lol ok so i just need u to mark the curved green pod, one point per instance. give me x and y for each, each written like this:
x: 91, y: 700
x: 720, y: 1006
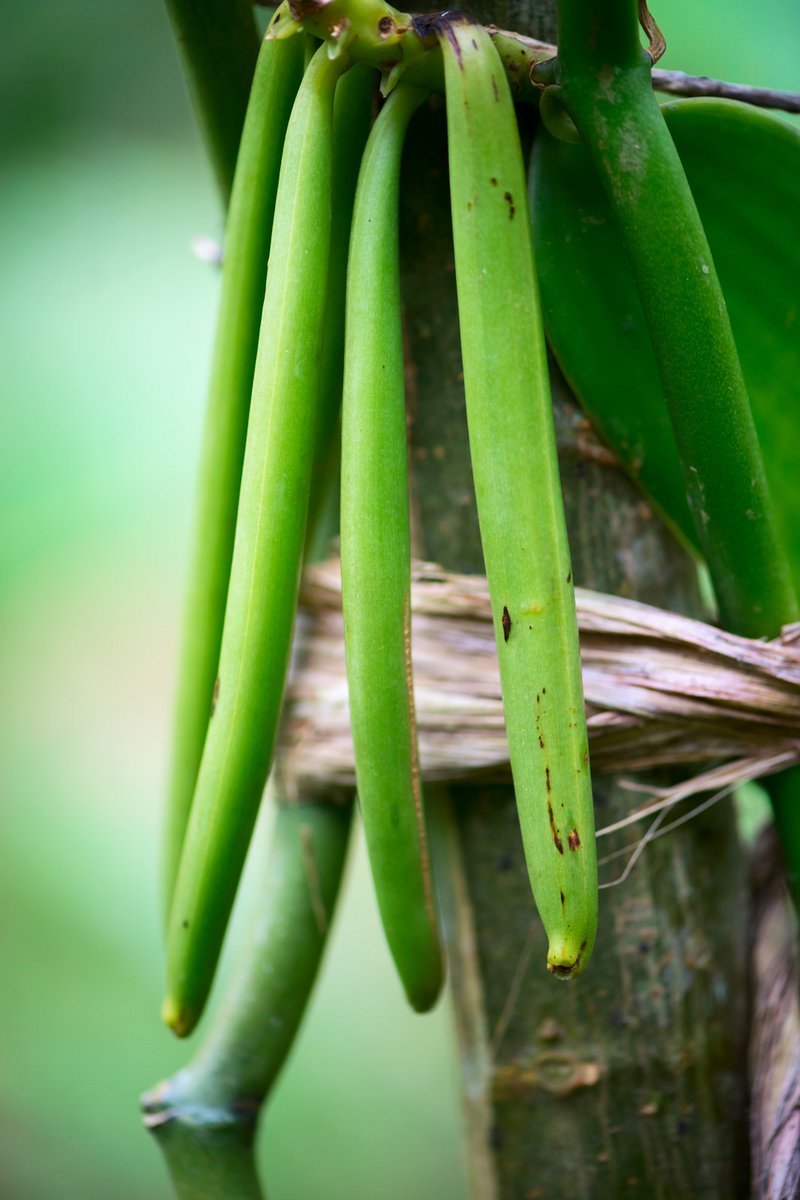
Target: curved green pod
x: 512, y: 444
x: 376, y: 566
x: 262, y: 594
x: 247, y: 235
x: 743, y: 168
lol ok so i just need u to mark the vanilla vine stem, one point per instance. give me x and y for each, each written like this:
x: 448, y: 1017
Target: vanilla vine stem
x: 601, y: 81
x: 394, y: 42
x: 205, y: 1117
x: 218, y: 44
x: 673, y: 83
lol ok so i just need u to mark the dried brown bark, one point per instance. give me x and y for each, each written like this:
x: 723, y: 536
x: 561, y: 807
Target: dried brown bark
x: 775, y: 1041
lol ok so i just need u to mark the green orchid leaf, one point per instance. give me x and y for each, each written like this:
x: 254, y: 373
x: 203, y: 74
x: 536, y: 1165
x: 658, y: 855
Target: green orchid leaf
x: 744, y: 170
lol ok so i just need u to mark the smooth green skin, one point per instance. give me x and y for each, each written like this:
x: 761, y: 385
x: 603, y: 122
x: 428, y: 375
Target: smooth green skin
x: 743, y: 167
x: 218, y: 45
x: 605, y: 88
x: 351, y: 125
x: 247, y: 237
x: 518, y: 492
x: 611, y: 101
x: 205, y: 1116
x: 262, y: 595
x: 376, y: 566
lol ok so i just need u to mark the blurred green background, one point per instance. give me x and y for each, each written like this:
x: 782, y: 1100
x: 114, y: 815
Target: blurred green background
x: 105, y: 322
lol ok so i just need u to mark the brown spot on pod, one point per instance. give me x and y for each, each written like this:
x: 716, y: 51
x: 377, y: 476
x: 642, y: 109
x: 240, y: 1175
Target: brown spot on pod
x: 559, y: 845
x: 506, y: 622
x: 573, y: 840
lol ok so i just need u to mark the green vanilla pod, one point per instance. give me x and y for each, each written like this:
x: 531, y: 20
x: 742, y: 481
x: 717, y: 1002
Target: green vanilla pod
x: 520, y: 509
x: 352, y: 116
x: 247, y: 236
x: 267, y: 556
x: 376, y: 566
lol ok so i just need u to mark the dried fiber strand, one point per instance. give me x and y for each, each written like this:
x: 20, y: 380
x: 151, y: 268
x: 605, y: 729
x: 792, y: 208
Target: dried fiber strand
x: 661, y: 690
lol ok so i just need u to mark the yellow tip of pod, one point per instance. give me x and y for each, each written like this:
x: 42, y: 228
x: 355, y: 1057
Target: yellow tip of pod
x: 177, y: 1017
x: 564, y: 962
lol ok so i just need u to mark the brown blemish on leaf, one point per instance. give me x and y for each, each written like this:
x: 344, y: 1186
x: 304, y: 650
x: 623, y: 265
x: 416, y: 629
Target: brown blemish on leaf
x: 563, y: 898
x: 506, y: 622
x: 569, y: 576
x: 573, y: 840
x: 493, y: 181
x: 509, y: 199
x: 215, y: 696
